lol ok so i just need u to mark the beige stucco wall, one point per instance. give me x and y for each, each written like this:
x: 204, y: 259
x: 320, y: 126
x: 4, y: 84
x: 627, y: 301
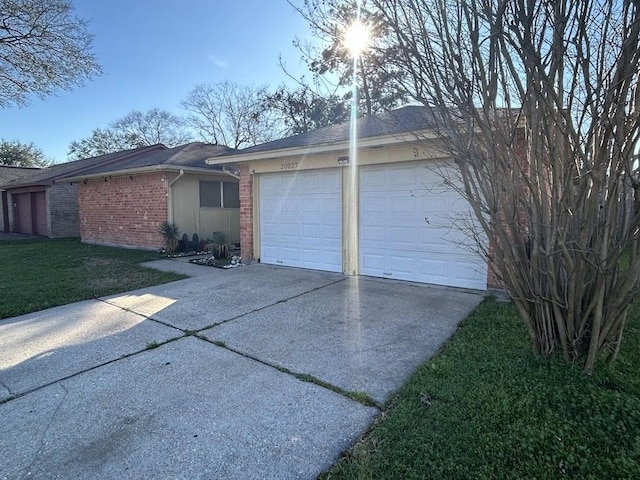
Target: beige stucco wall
x: 185, y: 210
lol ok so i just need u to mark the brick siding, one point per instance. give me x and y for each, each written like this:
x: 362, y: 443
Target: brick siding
x: 62, y: 209
x: 246, y: 213
x: 124, y: 211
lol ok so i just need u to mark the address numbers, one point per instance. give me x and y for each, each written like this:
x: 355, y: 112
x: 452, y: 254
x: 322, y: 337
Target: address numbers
x: 289, y: 166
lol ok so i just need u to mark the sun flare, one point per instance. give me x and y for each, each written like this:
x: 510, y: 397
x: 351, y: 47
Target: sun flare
x: 356, y: 38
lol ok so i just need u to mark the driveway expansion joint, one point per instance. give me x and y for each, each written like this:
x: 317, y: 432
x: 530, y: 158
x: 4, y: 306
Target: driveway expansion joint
x: 264, y: 307
x: 17, y: 395
x: 125, y: 309
x: 359, y: 397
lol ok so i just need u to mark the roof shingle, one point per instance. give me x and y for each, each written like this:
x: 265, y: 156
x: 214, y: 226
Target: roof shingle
x: 411, y: 118
x: 189, y: 155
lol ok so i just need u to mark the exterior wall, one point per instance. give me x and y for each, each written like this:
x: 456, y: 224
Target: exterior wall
x: 246, y: 213
x: 186, y: 212
x: 249, y: 190
x: 123, y: 211
x: 63, y: 211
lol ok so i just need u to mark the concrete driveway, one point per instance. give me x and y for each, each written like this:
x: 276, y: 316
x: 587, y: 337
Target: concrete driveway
x: 244, y: 373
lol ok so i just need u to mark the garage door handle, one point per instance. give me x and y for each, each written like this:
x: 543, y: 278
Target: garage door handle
x: 388, y: 274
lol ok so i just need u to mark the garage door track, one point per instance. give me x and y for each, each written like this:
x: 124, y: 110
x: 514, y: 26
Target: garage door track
x: 255, y: 372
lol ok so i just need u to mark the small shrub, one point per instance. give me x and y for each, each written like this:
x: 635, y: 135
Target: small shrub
x: 169, y: 232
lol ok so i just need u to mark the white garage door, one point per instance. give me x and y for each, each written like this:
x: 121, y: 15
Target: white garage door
x: 301, y: 219
x: 407, y: 229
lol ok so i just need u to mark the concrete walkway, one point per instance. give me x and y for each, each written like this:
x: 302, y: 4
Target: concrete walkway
x: 217, y: 376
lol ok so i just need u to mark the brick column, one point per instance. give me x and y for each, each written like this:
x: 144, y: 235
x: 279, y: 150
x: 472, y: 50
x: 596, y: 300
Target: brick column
x: 246, y: 213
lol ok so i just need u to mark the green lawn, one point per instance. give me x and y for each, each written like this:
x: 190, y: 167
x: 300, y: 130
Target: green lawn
x: 42, y: 273
x: 487, y: 407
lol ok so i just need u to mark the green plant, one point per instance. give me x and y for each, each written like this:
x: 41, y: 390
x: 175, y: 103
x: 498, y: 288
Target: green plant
x: 219, y: 245
x: 169, y: 232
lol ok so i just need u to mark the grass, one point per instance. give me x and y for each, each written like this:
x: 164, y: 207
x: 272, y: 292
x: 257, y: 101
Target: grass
x: 488, y: 407
x: 42, y: 273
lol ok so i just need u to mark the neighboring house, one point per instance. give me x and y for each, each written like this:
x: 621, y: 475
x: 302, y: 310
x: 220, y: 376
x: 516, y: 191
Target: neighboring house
x: 386, y: 213
x: 37, y: 205
x: 9, y: 173
x: 122, y: 201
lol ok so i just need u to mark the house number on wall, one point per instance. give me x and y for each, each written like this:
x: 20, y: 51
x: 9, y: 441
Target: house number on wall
x: 288, y: 166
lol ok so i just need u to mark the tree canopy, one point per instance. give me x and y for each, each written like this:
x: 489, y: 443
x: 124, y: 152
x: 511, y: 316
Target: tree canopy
x: 18, y: 154
x: 44, y: 47
x: 301, y: 109
x: 329, y: 60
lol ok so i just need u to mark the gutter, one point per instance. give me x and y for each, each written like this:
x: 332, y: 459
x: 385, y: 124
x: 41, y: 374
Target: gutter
x: 163, y: 167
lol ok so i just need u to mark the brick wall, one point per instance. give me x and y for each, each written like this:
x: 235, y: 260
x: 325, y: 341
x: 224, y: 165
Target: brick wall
x: 124, y: 211
x: 246, y: 213
x: 62, y: 209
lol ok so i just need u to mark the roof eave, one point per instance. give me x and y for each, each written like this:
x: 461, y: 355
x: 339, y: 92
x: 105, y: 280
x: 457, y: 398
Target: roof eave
x: 379, y: 141
x: 142, y: 170
x: 41, y: 183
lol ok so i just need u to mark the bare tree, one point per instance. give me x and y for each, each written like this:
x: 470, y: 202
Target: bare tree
x: 230, y: 114
x: 538, y: 102
x: 43, y: 48
x: 136, y: 129
x: 151, y: 127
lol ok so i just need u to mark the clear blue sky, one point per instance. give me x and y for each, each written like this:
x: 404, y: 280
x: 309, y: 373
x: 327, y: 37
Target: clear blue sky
x: 152, y: 53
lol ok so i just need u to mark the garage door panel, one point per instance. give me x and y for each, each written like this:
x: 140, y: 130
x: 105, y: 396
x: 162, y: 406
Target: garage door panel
x: 408, y: 229
x: 311, y: 205
x: 311, y: 232
x: 271, y: 183
x: 332, y: 233
x: 402, y: 265
x: 288, y: 231
x: 332, y: 205
x: 308, y: 216
x: 401, y: 178
x: 289, y: 253
x: 372, y: 264
x: 402, y: 204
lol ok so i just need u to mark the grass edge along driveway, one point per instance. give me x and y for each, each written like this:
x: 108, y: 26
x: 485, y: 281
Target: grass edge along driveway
x: 43, y: 273
x: 486, y: 406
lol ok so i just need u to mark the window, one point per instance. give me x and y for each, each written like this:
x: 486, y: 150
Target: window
x: 219, y: 194
x: 230, y: 195
x: 210, y: 194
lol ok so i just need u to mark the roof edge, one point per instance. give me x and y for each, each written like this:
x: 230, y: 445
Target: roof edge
x: 142, y: 170
x: 379, y: 141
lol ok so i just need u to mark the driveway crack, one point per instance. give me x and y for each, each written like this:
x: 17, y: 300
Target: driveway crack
x: 26, y: 473
x: 7, y: 388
